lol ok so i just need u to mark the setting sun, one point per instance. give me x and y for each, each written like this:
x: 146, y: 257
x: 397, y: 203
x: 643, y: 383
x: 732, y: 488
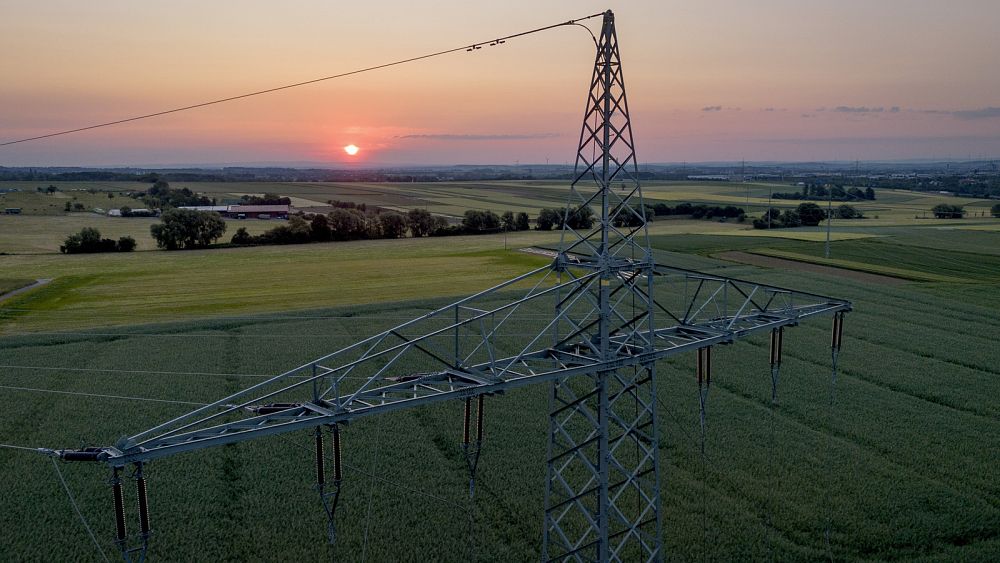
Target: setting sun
x: 351, y: 149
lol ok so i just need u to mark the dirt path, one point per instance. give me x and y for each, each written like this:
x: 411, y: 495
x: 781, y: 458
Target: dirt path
x: 38, y: 283
x: 782, y: 263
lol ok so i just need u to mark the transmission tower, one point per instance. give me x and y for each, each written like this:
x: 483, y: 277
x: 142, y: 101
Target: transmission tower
x: 591, y: 325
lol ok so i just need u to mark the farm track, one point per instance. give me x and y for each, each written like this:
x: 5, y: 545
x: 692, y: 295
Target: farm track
x: 20, y: 290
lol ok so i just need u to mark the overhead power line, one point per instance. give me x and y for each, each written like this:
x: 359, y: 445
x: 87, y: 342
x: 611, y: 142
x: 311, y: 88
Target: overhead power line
x: 470, y: 47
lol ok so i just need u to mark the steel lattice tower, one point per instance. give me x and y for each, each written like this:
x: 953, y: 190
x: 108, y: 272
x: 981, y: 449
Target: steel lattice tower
x: 591, y: 325
x: 602, y: 489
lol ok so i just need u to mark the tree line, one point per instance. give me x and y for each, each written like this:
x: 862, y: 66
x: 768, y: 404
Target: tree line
x: 833, y: 192
x: 89, y: 241
x: 805, y: 215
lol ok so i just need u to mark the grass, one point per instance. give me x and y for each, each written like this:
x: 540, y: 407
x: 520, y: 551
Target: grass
x: 903, y: 465
x: 32, y: 234
x: 111, y: 289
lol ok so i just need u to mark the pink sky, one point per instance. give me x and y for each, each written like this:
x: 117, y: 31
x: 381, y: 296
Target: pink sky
x: 769, y: 80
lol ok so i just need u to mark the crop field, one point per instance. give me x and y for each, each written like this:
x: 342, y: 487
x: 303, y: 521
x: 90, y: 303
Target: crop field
x: 902, y: 466
x: 33, y: 234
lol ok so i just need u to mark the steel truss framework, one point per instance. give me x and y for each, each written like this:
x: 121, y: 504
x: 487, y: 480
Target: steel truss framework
x: 592, y: 325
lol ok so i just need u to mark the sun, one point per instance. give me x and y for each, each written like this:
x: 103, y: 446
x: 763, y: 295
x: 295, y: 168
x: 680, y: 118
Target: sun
x: 351, y: 150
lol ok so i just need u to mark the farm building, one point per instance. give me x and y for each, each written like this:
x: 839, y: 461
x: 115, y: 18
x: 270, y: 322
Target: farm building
x: 141, y: 212
x: 258, y: 211
x: 220, y: 209
x: 245, y: 211
x: 12, y: 211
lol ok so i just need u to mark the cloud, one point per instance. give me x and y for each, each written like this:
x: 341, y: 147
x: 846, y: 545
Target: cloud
x: 479, y: 137
x: 983, y: 113
x: 712, y: 108
x: 858, y: 109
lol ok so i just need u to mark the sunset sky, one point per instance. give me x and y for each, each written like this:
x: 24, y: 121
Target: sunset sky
x: 707, y: 81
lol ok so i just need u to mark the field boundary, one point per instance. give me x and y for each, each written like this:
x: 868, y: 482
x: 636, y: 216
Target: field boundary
x: 885, y: 271
x: 757, y: 258
x: 38, y: 283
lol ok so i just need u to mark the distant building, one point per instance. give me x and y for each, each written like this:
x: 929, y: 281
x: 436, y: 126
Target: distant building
x: 12, y: 211
x: 141, y: 212
x: 258, y: 211
x: 220, y: 209
x: 245, y: 211
x: 709, y: 177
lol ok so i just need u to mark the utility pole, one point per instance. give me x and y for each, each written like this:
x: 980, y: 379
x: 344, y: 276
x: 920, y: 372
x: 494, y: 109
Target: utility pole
x: 769, y: 192
x: 829, y: 218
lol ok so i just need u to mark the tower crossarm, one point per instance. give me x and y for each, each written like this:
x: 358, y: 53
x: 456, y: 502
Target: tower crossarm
x: 395, y: 385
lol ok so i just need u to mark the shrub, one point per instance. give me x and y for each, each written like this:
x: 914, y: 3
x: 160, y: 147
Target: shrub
x: 125, y: 244
x: 89, y: 240
x: 242, y: 237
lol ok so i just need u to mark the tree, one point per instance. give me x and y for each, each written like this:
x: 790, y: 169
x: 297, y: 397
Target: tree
x: 420, y: 222
x: 186, y: 228
x: 810, y: 214
x: 126, y: 211
x: 946, y: 211
x: 320, y: 228
x: 581, y: 218
x: 547, y: 218
x: 870, y: 194
x: 507, y: 221
x: 522, y: 222
x: 125, y: 244
x: 848, y: 212
x: 393, y: 225
x: 242, y: 237
x: 790, y: 219
x: 347, y: 224
x: 476, y: 221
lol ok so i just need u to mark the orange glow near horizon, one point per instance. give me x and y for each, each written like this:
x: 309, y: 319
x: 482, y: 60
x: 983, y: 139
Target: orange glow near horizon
x: 770, y: 80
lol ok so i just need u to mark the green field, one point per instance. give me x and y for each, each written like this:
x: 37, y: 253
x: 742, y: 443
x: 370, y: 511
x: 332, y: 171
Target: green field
x: 32, y: 234
x: 903, y: 466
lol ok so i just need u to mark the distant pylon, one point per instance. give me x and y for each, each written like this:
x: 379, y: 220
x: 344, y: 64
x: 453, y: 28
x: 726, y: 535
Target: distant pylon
x: 602, y: 498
